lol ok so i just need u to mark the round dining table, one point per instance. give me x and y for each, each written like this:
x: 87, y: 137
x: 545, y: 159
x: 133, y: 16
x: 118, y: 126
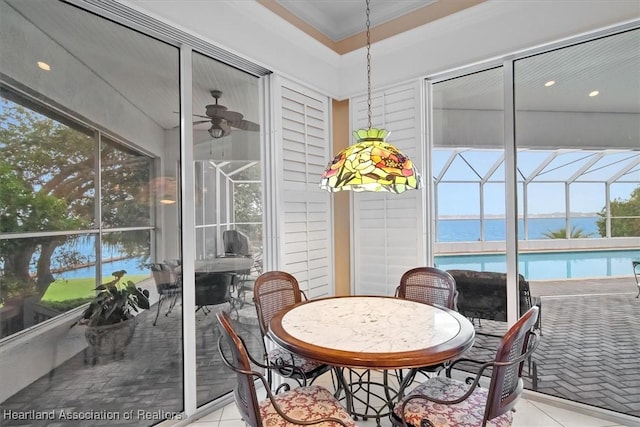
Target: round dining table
x: 372, y: 333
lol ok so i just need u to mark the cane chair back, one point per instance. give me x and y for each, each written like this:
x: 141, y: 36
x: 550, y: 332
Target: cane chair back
x: 447, y: 400
x: 272, y: 292
x: 245, y: 389
x: 428, y: 285
x: 311, y: 405
x: 506, y: 380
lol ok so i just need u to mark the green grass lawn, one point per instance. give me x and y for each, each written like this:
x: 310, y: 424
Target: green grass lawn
x: 69, y: 289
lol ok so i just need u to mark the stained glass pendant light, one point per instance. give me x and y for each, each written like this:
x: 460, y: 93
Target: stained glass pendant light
x: 371, y: 164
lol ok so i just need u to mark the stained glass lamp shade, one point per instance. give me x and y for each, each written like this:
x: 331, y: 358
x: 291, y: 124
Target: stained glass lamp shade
x: 371, y: 164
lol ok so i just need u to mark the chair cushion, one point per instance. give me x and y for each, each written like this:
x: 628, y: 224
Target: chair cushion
x: 304, y: 404
x: 280, y: 355
x: 468, y: 413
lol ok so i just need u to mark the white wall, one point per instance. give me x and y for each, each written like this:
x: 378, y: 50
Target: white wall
x: 479, y: 33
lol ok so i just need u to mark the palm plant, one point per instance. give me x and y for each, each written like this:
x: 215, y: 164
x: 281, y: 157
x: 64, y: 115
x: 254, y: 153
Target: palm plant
x: 561, y: 233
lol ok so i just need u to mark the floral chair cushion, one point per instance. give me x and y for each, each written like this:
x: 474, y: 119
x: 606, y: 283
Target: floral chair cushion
x: 304, y: 404
x: 280, y: 355
x: 468, y: 413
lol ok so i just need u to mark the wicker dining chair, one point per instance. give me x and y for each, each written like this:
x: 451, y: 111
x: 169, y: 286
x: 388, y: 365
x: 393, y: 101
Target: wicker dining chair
x: 305, y: 405
x: 443, y: 401
x: 431, y: 286
x: 272, y: 292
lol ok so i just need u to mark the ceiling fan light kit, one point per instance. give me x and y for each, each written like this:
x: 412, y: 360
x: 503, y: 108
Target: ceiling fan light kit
x: 219, y: 128
x: 371, y: 164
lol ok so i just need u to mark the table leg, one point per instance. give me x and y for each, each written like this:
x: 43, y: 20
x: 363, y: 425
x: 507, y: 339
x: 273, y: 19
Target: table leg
x: 372, y: 391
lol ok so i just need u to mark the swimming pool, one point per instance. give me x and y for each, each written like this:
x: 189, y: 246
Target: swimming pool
x: 549, y: 265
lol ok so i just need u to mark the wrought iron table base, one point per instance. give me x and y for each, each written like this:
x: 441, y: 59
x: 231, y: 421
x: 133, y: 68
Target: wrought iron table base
x: 377, y: 398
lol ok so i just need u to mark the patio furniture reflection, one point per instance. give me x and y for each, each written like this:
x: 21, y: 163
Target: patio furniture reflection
x: 212, y: 289
x: 168, y: 286
x: 636, y: 271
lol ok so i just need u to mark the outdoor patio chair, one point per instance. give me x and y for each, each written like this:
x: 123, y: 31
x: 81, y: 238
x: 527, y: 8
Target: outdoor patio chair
x: 636, y: 271
x: 213, y: 289
x: 305, y: 405
x: 272, y: 292
x: 431, y: 286
x: 449, y: 401
x: 245, y: 281
x: 235, y: 243
x: 168, y: 286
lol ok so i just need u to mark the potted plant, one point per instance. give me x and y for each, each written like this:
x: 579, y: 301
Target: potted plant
x: 109, y: 317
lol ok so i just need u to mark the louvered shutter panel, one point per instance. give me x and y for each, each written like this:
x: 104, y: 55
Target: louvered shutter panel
x: 305, y: 223
x: 388, y: 228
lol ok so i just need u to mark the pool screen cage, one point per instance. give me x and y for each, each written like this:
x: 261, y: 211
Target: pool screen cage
x: 567, y: 183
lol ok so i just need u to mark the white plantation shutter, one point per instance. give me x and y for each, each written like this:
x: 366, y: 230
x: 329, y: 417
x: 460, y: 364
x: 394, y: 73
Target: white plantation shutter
x: 305, y: 212
x: 388, y: 228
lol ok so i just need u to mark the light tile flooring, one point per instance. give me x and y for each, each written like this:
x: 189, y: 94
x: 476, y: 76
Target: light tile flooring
x: 528, y: 413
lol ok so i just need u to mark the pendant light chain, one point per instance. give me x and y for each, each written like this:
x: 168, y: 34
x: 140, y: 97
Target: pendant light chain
x: 368, y: 68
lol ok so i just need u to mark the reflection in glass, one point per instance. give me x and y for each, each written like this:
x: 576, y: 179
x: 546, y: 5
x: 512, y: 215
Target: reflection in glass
x: 54, y: 251
x: 228, y: 195
x: 468, y: 158
x: 126, y: 177
x: 579, y: 158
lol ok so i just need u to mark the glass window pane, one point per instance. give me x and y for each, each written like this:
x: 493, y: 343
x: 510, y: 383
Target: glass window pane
x: 126, y: 200
x: 47, y: 170
x: 103, y: 111
x: 228, y: 197
x: 577, y: 135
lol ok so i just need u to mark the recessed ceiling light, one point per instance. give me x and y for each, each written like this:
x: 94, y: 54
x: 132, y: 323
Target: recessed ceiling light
x: 44, y: 66
x: 593, y: 93
x: 550, y: 83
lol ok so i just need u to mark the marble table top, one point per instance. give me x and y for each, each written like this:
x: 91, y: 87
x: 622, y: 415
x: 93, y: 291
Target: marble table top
x: 367, y: 330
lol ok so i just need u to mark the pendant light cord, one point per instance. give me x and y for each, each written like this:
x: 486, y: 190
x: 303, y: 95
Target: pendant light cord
x: 368, y: 67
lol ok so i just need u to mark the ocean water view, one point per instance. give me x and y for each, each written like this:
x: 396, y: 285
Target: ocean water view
x: 131, y: 265
x: 468, y: 230
x: 535, y: 266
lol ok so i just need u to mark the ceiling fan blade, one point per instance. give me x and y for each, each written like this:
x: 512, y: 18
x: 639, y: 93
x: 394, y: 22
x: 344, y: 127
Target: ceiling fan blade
x: 197, y: 122
x: 231, y: 116
x: 246, y: 125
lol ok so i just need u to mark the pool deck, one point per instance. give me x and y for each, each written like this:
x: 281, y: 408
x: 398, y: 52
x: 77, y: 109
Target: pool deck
x: 589, y: 344
x: 586, y: 286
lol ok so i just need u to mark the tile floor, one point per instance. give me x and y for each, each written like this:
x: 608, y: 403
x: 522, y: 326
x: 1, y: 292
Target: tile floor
x: 529, y: 413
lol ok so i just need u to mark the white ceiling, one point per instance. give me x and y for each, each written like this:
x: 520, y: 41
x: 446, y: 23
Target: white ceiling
x: 124, y: 59
x: 339, y: 19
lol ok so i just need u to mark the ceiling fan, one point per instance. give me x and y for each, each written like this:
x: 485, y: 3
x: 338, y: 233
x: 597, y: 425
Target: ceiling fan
x: 223, y: 120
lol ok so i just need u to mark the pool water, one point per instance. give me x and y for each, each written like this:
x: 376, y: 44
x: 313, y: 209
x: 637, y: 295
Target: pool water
x: 549, y: 265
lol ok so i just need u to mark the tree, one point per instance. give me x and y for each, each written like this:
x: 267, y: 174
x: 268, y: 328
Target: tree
x: 561, y: 233
x: 247, y: 203
x: 47, y: 184
x: 625, y: 217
